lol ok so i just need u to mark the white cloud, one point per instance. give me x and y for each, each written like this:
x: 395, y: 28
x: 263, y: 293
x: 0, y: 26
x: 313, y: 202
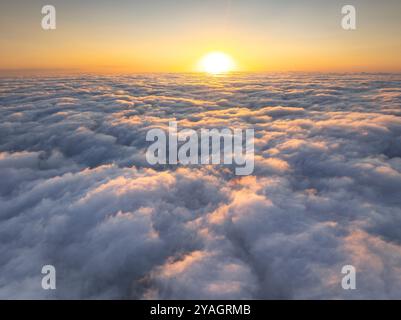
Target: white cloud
x: 76, y: 191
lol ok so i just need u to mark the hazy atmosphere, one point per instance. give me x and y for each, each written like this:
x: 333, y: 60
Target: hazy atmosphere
x: 171, y: 36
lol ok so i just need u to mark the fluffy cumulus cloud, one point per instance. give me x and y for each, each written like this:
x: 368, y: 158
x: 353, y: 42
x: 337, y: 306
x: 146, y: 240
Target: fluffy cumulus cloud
x: 77, y: 192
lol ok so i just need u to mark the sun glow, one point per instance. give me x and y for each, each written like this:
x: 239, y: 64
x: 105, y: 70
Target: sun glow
x: 216, y: 63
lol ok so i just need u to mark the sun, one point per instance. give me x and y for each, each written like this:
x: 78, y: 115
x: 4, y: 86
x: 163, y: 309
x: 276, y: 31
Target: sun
x: 216, y: 63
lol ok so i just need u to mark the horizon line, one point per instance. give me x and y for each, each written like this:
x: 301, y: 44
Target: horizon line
x: 77, y: 71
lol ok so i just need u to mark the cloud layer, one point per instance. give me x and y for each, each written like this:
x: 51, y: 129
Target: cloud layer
x: 76, y: 190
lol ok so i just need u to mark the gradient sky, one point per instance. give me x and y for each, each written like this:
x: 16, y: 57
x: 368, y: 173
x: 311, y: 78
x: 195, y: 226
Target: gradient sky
x: 172, y: 35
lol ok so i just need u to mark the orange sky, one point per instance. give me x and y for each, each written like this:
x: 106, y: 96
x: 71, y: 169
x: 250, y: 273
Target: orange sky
x: 171, y: 36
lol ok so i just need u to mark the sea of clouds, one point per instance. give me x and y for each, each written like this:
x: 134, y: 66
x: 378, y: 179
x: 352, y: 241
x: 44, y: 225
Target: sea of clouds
x: 76, y: 191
